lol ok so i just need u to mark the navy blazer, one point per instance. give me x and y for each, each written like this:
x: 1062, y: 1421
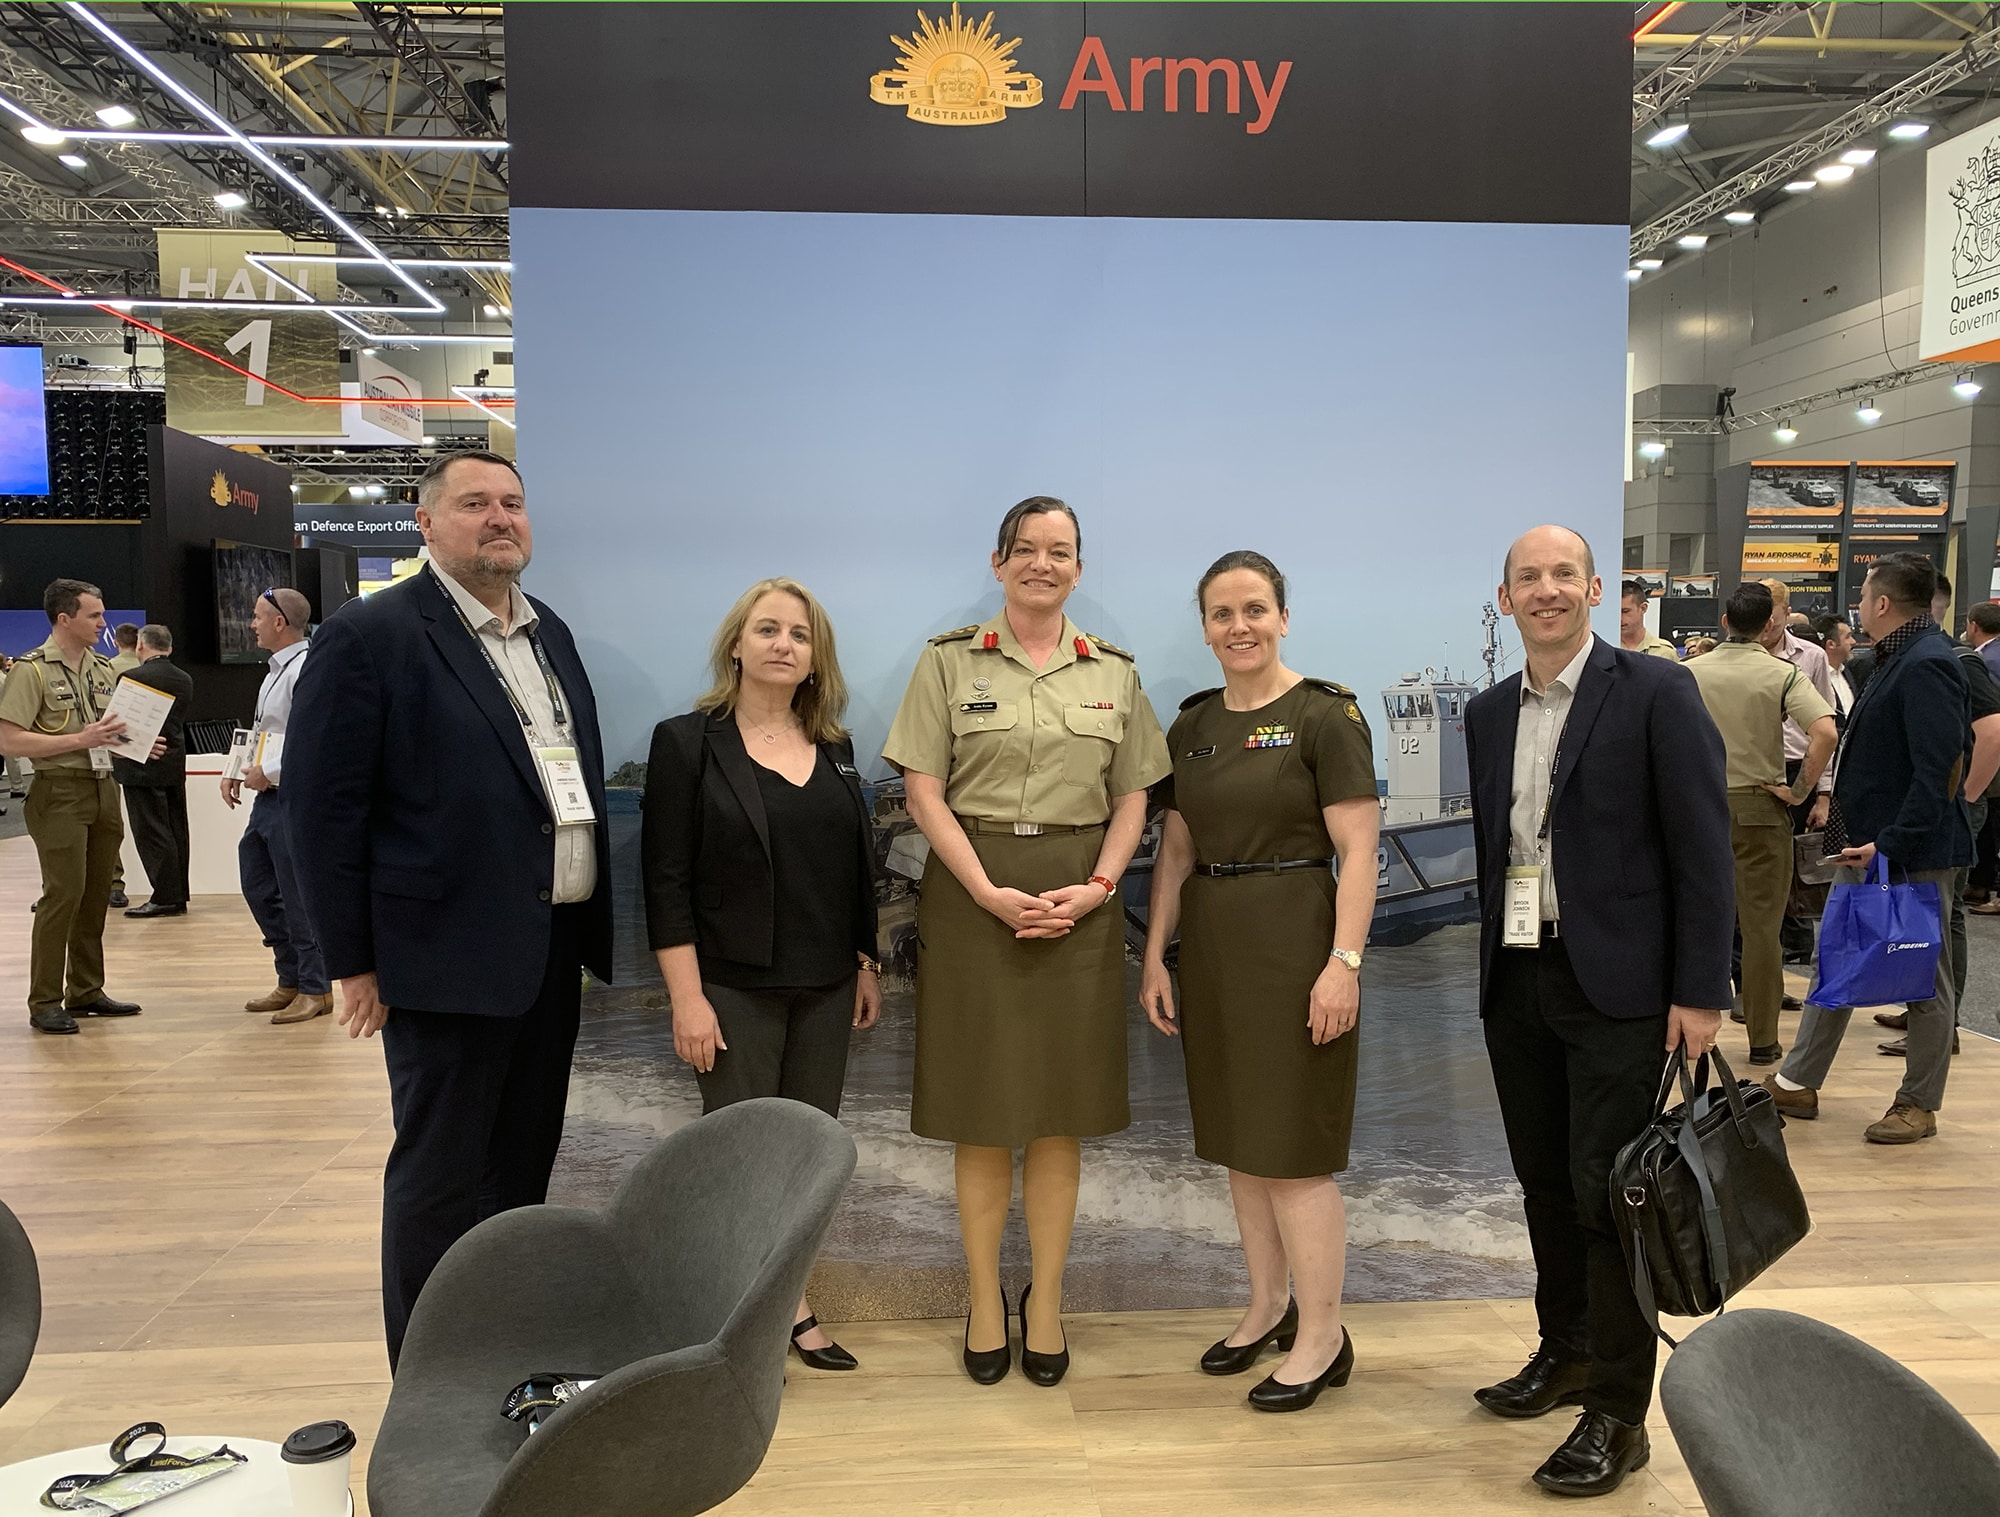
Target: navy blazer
x: 1900, y: 775
x: 705, y: 850
x: 420, y: 829
x: 1639, y: 827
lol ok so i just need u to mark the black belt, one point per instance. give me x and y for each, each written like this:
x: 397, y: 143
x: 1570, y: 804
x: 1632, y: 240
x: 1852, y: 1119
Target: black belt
x: 1268, y: 866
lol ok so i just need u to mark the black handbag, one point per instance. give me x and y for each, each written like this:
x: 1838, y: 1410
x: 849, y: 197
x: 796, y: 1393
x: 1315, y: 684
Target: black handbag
x: 1704, y: 1199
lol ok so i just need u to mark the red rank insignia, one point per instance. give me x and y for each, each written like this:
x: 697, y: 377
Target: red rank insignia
x: 992, y: 640
x: 1082, y: 648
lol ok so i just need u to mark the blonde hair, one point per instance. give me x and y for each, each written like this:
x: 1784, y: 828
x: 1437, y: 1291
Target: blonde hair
x: 1781, y: 593
x: 821, y: 699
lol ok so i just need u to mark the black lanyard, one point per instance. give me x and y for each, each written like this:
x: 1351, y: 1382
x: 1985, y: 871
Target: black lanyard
x: 541, y: 659
x: 1555, y: 768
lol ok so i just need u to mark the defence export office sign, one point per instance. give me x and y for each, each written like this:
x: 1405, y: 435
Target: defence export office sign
x: 1961, y: 300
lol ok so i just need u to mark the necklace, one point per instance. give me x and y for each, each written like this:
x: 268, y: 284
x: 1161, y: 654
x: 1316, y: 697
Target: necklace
x: 769, y: 735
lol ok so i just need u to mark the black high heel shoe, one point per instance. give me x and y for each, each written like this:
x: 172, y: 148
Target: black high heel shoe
x: 1226, y: 1358
x: 1043, y: 1369
x: 1273, y: 1395
x: 988, y: 1366
x: 832, y: 1357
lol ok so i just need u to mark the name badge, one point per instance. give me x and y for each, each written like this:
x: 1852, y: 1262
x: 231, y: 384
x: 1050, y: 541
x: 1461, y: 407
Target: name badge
x: 1202, y: 752
x: 979, y: 705
x: 1521, y: 926
x: 563, y: 773
x: 100, y: 760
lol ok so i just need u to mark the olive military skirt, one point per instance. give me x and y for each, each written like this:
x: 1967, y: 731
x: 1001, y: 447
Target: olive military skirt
x: 1018, y: 1039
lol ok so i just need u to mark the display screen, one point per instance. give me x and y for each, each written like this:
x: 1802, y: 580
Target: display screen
x: 243, y: 572
x: 24, y: 426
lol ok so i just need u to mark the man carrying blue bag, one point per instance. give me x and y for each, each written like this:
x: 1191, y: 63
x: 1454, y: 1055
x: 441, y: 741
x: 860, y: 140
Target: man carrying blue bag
x: 1896, y: 799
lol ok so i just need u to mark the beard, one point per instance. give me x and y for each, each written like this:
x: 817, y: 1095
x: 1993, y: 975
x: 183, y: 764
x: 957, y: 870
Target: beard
x: 487, y: 566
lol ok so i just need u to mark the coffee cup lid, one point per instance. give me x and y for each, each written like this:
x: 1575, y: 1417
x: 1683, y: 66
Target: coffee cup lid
x: 318, y: 1442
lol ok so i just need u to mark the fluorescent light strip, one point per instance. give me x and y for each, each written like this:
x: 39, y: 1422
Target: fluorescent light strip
x: 383, y: 144
x: 408, y: 263
x: 24, y: 114
x: 477, y: 396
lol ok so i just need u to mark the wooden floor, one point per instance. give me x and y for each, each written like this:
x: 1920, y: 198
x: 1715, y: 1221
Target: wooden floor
x: 202, y: 1188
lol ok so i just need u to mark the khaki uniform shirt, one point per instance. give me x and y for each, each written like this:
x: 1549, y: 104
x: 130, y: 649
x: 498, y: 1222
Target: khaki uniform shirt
x: 124, y: 663
x: 1014, y: 743
x: 45, y: 695
x: 1750, y: 695
x: 1658, y: 647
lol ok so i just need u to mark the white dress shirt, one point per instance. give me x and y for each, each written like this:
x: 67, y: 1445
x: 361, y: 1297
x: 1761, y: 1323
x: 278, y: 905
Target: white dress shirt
x: 274, y: 700
x: 1810, y: 660
x: 513, y: 654
x: 1537, y: 742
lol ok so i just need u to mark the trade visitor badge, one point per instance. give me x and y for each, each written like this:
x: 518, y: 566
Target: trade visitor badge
x: 1273, y: 735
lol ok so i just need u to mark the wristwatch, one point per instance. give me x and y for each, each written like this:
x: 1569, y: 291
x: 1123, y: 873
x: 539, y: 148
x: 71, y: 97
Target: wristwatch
x: 873, y: 966
x: 1351, y: 957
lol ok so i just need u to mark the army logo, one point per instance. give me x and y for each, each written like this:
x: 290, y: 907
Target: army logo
x: 218, y: 489
x: 953, y: 74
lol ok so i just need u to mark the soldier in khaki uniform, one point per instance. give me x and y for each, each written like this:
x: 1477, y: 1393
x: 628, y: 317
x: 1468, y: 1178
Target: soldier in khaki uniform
x: 1750, y: 694
x: 1026, y: 748
x: 52, y: 712
x: 123, y: 662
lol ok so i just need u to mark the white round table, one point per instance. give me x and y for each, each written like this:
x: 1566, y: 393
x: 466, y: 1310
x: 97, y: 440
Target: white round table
x: 256, y: 1489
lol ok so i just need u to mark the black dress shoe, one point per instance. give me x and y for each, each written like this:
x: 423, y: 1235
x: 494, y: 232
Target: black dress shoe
x: 104, y: 1006
x: 118, y: 898
x: 1273, y: 1395
x: 1043, y: 1369
x: 1900, y: 1048
x: 1768, y: 1053
x: 1595, y: 1459
x: 52, y: 1021
x: 832, y: 1357
x: 1546, y: 1382
x: 1226, y: 1358
x: 988, y: 1366
x: 1790, y: 1003
x: 157, y: 909
x: 1737, y: 1016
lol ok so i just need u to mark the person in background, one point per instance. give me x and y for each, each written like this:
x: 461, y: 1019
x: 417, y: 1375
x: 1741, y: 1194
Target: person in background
x: 1811, y: 661
x: 156, y: 791
x: 1982, y: 631
x: 1750, y: 696
x: 52, y: 712
x: 267, y: 857
x: 1860, y: 665
x: 1898, y: 792
x: 1601, y: 829
x: 1800, y: 625
x: 1632, y: 633
x: 1697, y: 646
x: 13, y: 784
x: 1274, y: 779
x: 1026, y: 749
x: 125, y: 637
x: 1836, y: 640
x: 758, y: 861
x: 460, y: 872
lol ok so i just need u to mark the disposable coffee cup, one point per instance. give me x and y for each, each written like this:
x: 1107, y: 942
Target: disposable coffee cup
x: 317, y: 1460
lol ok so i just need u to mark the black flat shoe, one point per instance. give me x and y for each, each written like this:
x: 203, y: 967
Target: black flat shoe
x: 1272, y: 1394
x: 1769, y: 1053
x: 104, y: 1006
x: 1226, y: 1358
x: 157, y: 909
x: 988, y: 1366
x: 117, y: 898
x: 1595, y: 1459
x: 52, y: 1021
x: 1545, y: 1383
x: 832, y: 1357
x: 1043, y: 1369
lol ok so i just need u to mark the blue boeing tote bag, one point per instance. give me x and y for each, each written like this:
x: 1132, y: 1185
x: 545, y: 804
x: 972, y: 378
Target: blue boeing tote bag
x: 1878, y: 942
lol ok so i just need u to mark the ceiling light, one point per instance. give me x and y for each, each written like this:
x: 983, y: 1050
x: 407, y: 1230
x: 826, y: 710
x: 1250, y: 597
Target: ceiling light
x: 1799, y: 186
x: 381, y: 210
x: 74, y: 161
x: 231, y: 200
x: 117, y: 115
x: 376, y: 491
x: 1693, y: 240
x: 430, y: 442
x: 1634, y: 273
x: 489, y: 309
x: 1785, y: 432
x: 1739, y: 218
x: 367, y: 352
x: 1833, y: 173
x: 1868, y: 411
x: 356, y: 492
x: 1649, y: 264
x: 1652, y: 448
x: 1909, y: 131
x: 44, y: 136
x: 506, y: 310
x: 1667, y: 136
x: 1860, y: 157
x: 1966, y: 387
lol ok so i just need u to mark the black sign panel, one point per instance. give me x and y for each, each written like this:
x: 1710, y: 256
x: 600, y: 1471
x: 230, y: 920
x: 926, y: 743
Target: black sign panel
x: 1477, y: 112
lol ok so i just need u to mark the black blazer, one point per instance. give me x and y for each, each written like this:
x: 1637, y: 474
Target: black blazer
x: 705, y: 849
x: 170, y: 768
x: 420, y: 829
x: 1898, y: 782
x: 1645, y: 877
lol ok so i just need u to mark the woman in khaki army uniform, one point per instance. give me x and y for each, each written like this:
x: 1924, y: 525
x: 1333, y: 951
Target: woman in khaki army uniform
x: 1274, y: 777
x: 1026, y: 748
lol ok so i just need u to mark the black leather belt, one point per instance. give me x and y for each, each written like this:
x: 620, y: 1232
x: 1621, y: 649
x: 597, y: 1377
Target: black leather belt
x: 1268, y: 866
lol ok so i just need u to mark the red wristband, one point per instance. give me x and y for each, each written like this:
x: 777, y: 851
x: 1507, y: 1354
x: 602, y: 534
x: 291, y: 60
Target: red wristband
x: 1110, y: 887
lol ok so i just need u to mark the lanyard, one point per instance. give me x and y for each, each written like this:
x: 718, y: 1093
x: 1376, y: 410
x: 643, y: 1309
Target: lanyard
x: 541, y: 659
x: 1555, y: 768
x: 270, y: 679
x: 79, y: 695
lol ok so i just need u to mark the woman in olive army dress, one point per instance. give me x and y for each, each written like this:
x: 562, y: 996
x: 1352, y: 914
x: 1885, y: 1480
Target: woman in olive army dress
x: 1273, y: 779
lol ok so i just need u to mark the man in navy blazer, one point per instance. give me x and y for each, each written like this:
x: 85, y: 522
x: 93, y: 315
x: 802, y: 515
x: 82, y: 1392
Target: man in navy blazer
x: 1606, y: 889
x: 444, y: 775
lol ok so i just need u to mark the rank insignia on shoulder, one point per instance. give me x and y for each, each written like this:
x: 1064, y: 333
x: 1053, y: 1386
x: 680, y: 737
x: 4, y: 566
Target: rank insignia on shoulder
x: 958, y: 634
x: 1331, y: 687
x: 1352, y: 712
x: 1101, y: 646
x: 1202, y: 752
x: 1276, y: 735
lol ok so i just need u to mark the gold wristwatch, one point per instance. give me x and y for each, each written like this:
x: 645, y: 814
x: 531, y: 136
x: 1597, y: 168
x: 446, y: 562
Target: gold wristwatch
x: 1351, y: 957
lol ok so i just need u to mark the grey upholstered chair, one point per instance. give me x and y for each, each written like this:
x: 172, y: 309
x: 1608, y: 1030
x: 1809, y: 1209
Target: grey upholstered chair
x: 680, y: 1295
x: 1781, y: 1416
x: 20, y: 1304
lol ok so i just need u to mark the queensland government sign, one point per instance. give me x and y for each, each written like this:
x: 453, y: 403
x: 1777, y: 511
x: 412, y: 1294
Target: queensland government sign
x: 1961, y: 302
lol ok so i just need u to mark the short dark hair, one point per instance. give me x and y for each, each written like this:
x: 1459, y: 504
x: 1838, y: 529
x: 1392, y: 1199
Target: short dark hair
x: 1636, y: 589
x: 1749, y: 609
x: 429, y: 482
x: 1826, y: 623
x: 126, y: 634
x: 1034, y: 505
x: 1242, y: 558
x: 1943, y: 584
x: 1908, y: 579
x: 1986, y: 617
x: 63, y: 596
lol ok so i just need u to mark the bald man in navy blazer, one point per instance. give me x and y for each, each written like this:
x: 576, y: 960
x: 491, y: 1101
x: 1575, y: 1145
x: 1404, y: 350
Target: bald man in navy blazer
x: 1607, y: 901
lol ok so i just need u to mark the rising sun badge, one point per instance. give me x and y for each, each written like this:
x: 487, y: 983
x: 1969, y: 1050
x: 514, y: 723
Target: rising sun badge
x: 954, y: 74
x: 218, y: 489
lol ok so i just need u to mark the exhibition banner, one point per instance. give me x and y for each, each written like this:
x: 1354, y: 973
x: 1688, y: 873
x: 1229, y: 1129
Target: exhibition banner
x: 1905, y: 497
x: 1767, y: 557
x: 1961, y: 273
x: 402, y: 416
x: 1806, y: 496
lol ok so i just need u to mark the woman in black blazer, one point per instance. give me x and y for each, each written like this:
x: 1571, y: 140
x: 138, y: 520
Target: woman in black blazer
x: 758, y: 860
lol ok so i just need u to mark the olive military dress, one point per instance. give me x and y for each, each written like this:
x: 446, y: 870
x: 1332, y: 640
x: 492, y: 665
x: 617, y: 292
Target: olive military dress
x: 1019, y: 1039
x: 1251, y: 786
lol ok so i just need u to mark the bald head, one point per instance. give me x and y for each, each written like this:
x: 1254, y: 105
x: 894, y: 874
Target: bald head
x: 1550, y: 537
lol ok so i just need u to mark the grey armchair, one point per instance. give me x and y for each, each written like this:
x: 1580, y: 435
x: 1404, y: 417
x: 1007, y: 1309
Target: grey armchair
x: 680, y: 1295
x: 1781, y: 1416
x: 20, y: 1303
